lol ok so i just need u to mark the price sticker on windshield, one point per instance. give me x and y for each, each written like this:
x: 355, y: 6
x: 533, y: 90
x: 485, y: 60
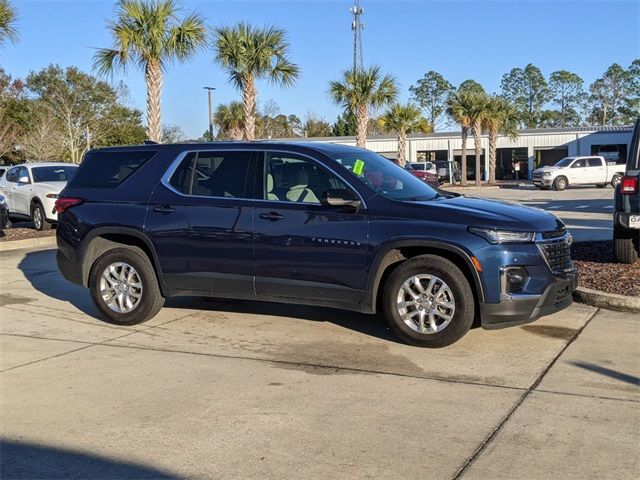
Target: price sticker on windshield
x: 358, y: 167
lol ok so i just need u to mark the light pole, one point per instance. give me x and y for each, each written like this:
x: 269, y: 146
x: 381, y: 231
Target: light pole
x: 209, y: 90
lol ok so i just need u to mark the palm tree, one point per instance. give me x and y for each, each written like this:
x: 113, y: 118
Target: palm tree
x: 459, y: 108
x: 404, y: 119
x: 7, y: 22
x: 362, y: 89
x: 150, y: 34
x: 500, y: 117
x: 478, y: 111
x: 251, y: 53
x: 230, y: 120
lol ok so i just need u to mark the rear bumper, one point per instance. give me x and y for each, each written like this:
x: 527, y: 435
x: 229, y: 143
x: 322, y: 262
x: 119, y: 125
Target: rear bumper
x: 68, y: 264
x: 521, y: 309
x: 621, y: 221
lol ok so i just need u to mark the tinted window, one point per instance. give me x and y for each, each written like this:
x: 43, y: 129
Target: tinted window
x: 2, y: 170
x: 53, y: 174
x: 634, y: 158
x: 595, y: 162
x: 108, y: 169
x: 23, y: 173
x: 12, y: 175
x: 293, y: 178
x: 578, y: 164
x: 213, y: 174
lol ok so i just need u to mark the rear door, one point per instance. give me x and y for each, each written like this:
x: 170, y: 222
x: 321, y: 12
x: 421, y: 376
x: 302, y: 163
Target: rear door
x: 200, y: 222
x: 22, y: 192
x: 7, y: 182
x: 304, y: 249
x: 597, y: 170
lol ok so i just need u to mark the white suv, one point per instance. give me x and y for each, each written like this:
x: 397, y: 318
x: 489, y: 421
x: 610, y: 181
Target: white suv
x: 31, y: 190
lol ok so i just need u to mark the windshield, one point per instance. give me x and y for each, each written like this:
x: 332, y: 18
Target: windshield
x: 565, y: 162
x: 53, y: 174
x: 385, y: 177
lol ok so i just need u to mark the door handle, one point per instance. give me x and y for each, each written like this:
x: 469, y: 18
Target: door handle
x: 164, y: 209
x: 273, y: 216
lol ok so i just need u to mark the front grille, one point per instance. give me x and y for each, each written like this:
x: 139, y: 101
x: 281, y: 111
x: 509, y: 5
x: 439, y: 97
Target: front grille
x: 558, y: 254
x: 537, y: 176
x: 554, y: 233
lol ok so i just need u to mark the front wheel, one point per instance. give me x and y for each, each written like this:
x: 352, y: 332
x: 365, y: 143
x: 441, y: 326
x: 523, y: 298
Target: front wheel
x: 428, y: 302
x: 38, y: 218
x: 615, y: 180
x: 560, y: 184
x: 124, y: 287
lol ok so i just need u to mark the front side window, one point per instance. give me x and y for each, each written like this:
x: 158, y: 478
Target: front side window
x: 23, y: 173
x: 293, y: 178
x: 578, y: 164
x: 52, y: 174
x: 213, y: 174
x: 384, y: 177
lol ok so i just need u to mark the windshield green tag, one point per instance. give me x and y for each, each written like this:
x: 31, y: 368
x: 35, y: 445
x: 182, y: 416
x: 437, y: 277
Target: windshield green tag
x: 358, y: 167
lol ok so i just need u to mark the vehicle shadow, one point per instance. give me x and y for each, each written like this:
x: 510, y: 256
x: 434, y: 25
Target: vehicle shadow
x: 40, y: 269
x: 29, y: 461
x: 623, y: 377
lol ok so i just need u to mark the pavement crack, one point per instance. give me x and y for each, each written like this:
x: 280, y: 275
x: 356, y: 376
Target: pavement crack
x: 481, y: 448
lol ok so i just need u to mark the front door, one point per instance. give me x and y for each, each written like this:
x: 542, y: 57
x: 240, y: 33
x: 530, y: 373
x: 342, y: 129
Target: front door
x: 200, y: 222
x: 304, y: 249
x: 22, y: 192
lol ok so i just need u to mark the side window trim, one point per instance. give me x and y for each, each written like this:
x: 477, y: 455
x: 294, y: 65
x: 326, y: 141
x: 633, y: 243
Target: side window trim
x: 262, y: 180
x: 175, y: 164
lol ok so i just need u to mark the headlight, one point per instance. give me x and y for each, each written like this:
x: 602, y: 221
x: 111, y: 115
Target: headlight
x: 503, y: 236
x: 546, y: 174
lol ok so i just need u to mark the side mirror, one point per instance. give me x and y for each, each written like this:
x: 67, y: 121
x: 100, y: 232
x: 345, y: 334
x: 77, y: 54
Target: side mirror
x: 23, y: 180
x: 340, y: 198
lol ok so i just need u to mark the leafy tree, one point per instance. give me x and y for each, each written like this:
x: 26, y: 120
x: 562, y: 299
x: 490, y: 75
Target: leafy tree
x: 499, y: 117
x: 82, y: 110
x: 608, y: 95
x: 173, y: 134
x: 251, y: 53
x: 150, y: 34
x: 471, y: 86
x: 346, y: 125
x: 404, y: 119
x: 568, y: 95
x: 14, y: 115
x: 360, y: 90
x: 630, y: 111
x: 316, y: 127
x: 229, y: 119
x: 527, y: 89
x: 431, y: 92
x: 7, y: 22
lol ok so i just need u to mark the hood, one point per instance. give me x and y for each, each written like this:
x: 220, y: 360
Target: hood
x: 489, y: 213
x: 547, y: 169
x: 52, y: 187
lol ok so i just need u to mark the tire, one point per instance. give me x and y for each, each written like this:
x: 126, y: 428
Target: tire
x: 459, y: 294
x: 615, y: 180
x: 625, y: 246
x: 150, y: 299
x: 38, y: 218
x: 560, y: 183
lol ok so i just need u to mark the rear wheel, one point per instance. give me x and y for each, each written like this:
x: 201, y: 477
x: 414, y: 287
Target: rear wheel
x: 615, y: 180
x: 428, y: 302
x: 625, y: 246
x: 124, y: 287
x: 560, y: 183
x: 38, y: 218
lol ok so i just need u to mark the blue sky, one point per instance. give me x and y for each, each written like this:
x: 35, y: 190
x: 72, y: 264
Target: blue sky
x: 460, y: 39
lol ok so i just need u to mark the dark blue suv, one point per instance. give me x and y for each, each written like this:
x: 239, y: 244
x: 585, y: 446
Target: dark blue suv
x: 307, y: 223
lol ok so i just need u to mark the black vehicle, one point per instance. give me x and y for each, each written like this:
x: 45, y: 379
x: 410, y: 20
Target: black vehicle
x: 4, y: 212
x: 307, y: 223
x: 626, y: 217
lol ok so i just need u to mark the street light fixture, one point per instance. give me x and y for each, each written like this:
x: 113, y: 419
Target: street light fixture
x: 209, y: 90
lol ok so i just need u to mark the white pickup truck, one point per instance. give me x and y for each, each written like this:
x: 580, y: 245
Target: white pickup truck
x: 31, y: 189
x: 592, y: 170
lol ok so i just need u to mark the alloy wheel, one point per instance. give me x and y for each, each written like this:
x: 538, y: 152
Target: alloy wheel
x: 425, y: 304
x: 121, y: 287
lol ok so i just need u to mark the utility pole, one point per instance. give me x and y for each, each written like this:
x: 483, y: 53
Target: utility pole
x: 357, y: 26
x: 210, y: 94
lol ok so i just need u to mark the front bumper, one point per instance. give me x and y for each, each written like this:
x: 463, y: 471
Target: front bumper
x: 521, y: 309
x: 543, y: 181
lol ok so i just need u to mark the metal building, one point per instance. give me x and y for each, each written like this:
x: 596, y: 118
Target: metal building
x: 532, y: 148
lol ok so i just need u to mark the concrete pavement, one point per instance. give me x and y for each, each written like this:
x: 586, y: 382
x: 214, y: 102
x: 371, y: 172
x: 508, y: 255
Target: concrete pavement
x: 223, y: 389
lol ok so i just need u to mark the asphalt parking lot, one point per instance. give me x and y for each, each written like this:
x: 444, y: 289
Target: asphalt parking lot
x: 221, y: 389
x: 587, y: 211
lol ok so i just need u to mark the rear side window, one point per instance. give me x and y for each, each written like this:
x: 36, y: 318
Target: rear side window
x: 595, y: 162
x: 634, y: 156
x: 213, y: 174
x: 53, y: 174
x: 109, y: 169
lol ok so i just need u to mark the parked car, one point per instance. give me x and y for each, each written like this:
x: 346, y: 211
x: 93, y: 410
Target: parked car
x: 442, y: 167
x: 426, y: 176
x: 626, y: 217
x: 306, y: 223
x: 592, y: 170
x: 424, y: 167
x: 31, y: 190
x: 4, y: 212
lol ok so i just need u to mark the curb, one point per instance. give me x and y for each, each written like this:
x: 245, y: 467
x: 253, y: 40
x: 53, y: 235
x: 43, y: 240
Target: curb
x: 611, y: 301
x: 7, y: 245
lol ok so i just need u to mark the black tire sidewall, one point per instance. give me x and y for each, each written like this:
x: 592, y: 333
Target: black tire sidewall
x: 44, y: 225
x: 560, y: 180
x: 151, y: 294
x: 457, y: 282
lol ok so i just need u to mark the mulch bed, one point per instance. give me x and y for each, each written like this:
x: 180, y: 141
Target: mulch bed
x: 597, y: 269
x: 23, y: 231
